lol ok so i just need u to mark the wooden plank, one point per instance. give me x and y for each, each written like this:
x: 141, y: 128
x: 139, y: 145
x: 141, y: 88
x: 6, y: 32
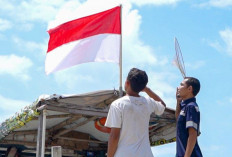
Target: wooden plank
x: 81, y: 140
x: 160, y: 128
x: 102, y: 104
x: 64, y: 123
x: 56, y: 116
x: 74, y: 127
x: 98, y: 113
x: 27, y: 132
x: 25, y: 143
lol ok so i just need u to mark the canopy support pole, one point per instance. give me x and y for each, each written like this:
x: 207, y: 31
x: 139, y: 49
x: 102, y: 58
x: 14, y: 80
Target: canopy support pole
x: 41, y: 134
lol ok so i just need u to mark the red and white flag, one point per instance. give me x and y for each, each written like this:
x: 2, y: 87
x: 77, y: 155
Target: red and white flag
x: 94, y: 38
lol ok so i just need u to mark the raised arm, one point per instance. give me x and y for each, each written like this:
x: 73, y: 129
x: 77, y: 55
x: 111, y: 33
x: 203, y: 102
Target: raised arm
x: 153, y: 95
x: 178, y: 101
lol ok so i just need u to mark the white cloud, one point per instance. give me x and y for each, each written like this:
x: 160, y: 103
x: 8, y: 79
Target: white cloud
x: 25, y: 27
x: 44, y: 11
x: 9, y: 107
x: 9, y: 104
x: 212, y: 149
x: 226, y: 46
x: 73, y: 10
x: 216, y: 45
x: 39, y: 9
x: 159, y: 82
x: 15, y: 66
x: 30, y: 46
x: 217, y: 3
x: 70, y: 78
x: 155, y: 2
x: 33, y: 10
x: 226, y: 36
x: 195, y: 65
x: 5, y: 24
x: 134, y: 50
x: 7, y: 5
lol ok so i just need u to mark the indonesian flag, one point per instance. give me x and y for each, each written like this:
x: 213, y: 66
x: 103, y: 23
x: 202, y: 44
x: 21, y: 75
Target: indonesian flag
x: 94, y: 38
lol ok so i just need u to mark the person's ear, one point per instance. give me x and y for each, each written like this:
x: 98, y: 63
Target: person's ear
x: 190, y: 88
x: 127, y: 82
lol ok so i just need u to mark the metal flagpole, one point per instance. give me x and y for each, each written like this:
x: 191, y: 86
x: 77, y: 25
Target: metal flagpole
x: 120, y: 58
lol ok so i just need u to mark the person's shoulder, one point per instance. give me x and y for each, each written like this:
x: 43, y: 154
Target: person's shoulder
x: 150, y: 101
x: 124, y: 98
x: 147, y: 98
x: 120, y: 100
x: 193, y: 105
x: 191, y: 102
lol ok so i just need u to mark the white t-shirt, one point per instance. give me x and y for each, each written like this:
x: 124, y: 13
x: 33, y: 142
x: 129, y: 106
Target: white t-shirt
x: 132, y: 115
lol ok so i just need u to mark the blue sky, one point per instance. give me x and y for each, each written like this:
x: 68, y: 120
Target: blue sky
x: 202, y: 27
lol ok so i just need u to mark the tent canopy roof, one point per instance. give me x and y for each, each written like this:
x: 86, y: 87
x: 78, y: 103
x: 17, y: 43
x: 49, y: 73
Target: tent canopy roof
x: 74, y: 122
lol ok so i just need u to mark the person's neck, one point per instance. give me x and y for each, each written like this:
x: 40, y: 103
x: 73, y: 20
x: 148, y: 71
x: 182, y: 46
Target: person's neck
x: 188, y: 97
x: 132, y: 93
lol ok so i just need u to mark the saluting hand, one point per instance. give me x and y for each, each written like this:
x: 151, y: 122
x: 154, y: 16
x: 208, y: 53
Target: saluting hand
x: 178, y: 98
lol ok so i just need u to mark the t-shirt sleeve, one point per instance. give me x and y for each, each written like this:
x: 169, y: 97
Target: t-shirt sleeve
x: 192, y: 117
x: 156, y: 106
x: 114, y: 117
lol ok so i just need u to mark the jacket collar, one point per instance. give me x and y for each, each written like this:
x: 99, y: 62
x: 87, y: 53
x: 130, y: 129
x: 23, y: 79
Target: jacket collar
x: 185, y: 102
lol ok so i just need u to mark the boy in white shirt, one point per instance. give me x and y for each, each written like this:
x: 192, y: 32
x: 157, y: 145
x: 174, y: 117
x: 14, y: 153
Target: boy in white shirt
x: 129, y: 117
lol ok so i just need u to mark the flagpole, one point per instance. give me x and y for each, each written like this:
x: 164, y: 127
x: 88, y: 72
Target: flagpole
x: 120, y: 58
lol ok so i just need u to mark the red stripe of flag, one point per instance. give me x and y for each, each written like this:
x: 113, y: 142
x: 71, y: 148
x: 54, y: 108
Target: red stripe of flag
x: 101, y: 23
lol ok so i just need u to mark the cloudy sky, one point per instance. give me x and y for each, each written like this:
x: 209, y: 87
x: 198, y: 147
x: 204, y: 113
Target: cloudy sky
x: 202, y: 27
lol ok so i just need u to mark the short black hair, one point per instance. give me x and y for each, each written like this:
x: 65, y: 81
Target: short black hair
x: 195, y: 83
x: 138, y: 79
